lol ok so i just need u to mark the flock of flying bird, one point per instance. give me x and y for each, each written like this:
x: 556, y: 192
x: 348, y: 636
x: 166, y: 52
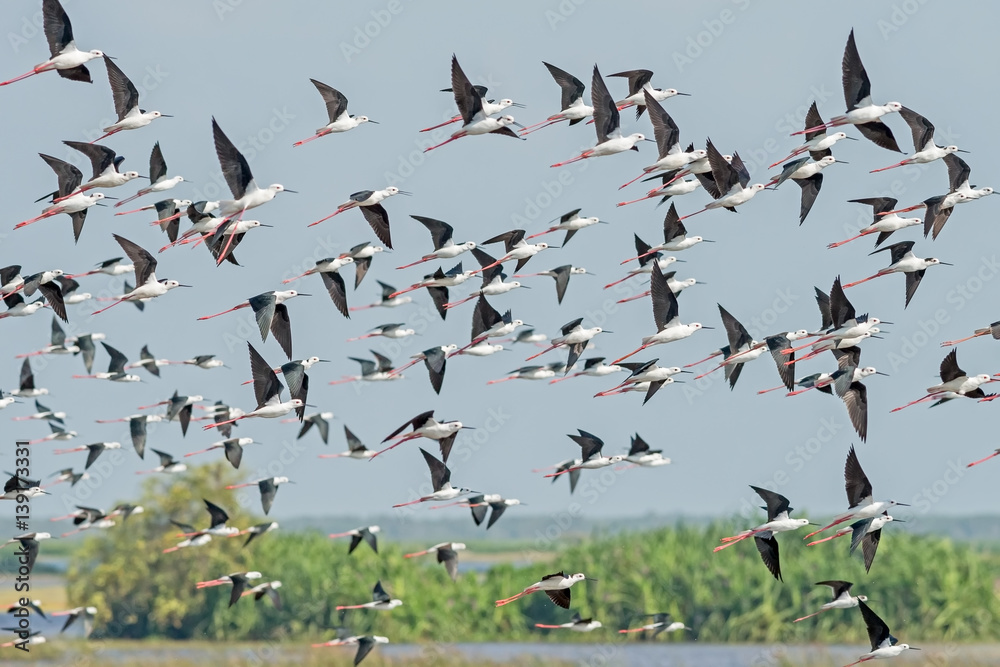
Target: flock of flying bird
x: 222, y: 227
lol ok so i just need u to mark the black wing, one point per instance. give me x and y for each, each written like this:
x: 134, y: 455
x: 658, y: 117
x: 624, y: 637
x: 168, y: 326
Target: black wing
x: 53, y: 295
x: 440, y: 475
x: 606, y: 118
x: 665, y: 308
x: 775, y: 345
x: 337, y: 290
x: 145, y: 264
x: 450, y: 559
x: 336, y: 103
x: 378, y: 218
x: 469, y: 102
x: 572, y: 88
x: 268, y: 489
x: 218, y: 516
x: 281, y: 327
x: 776, y: 503
x: 560, y: 597
x: 949, y: 367
x: 379, y: 594
x: 58, y: 29
x: 441, y: 232
x: 921, y: 128
x: 665, y: 130
x: 810, y: 190
x: 235, y: 167
x: 856, y: 481
x: 879, y: 134
x: 122, y: 89
x: 878, y: 631
x: 265, y: 382
x: 913, y: 279
x: 857, y: 86
x: 767, y: 546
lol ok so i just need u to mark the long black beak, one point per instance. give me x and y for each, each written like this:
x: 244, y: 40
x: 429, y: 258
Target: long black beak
x: 887, y: 375
x: 962, y: 151
x: 946, y: 264
x: 263, y: 225
x: 165, y: 115
x: 301, y: 294
x: 841, y: 162
x: 704, y: 327
x: 516, y: 124
x: 648, y: 139
x: 687, y: 371
x: 852, y: 138
x: 403, y: 192
x: 903, y: 504
x: 519, y: 106
x: 685, y: 94
x: 294, y: 192
x: 184, y: 285
x: 373, y: 121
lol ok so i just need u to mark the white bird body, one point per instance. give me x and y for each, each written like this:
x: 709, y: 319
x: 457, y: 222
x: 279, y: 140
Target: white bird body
x: 135, y: 119
x: 676, y: 160
x: 671, y: 333
x: 254, y: 197
x: 483, y: 349
x: 74, y: 203
x: 736, y: 196
x: 866, y: 112
x: 960, y: 385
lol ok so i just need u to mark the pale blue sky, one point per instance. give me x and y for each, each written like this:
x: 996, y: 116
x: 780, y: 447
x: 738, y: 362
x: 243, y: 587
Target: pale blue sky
x: 752, y: 69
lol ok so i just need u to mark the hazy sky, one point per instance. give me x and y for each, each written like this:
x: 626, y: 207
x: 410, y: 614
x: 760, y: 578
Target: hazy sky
x: 752, y: 69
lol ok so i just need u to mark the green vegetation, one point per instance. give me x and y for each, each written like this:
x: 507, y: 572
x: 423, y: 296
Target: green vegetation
x: 926, y: 588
